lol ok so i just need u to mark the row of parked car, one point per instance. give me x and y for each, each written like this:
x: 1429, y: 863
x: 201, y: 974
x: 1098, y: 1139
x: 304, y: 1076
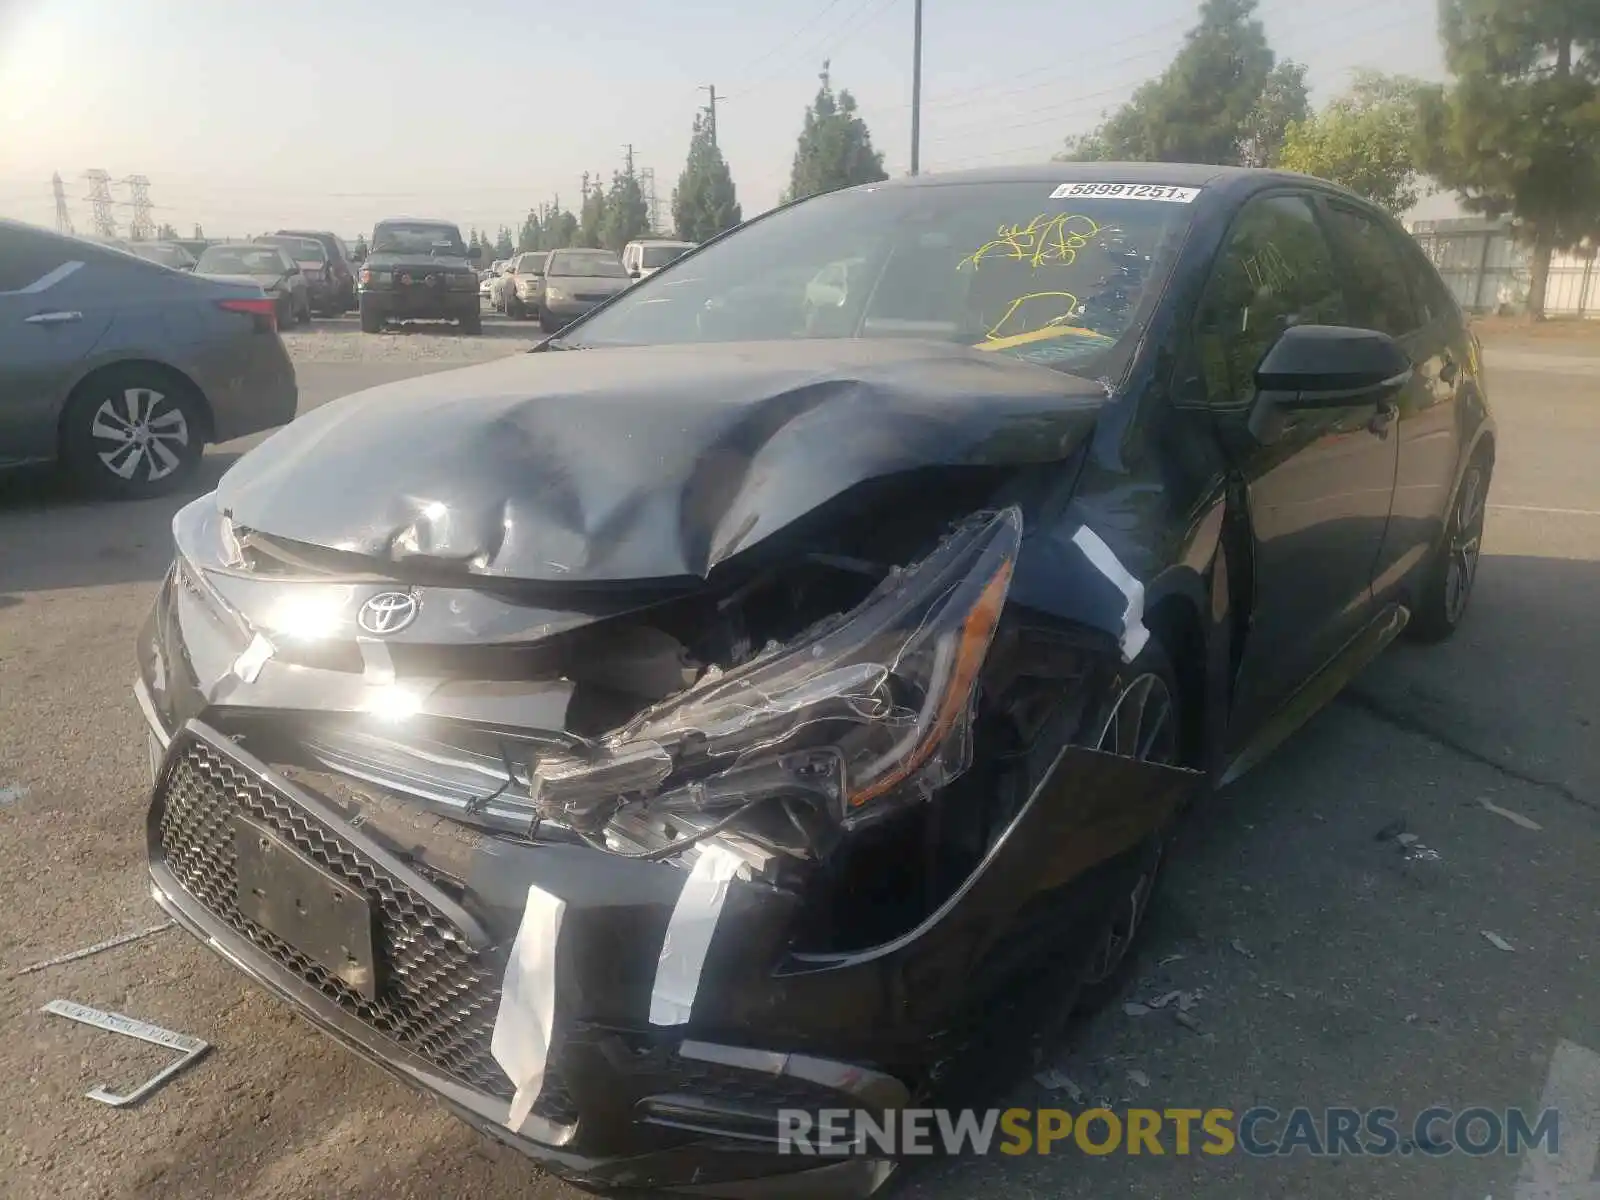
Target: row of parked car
x: 304, y: 272
x: 558, y: 286
x: 128, y: 405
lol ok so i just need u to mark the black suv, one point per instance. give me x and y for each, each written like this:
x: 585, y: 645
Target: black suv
x: 342, y: 274
x: 418, y: 268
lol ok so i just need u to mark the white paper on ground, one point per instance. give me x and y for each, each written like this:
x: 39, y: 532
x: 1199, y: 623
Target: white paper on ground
x: 689, y: 933
x: 522, y: 1027
x: 1134, y: 634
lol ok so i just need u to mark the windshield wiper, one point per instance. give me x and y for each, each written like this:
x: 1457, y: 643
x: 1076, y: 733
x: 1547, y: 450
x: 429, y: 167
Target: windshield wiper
x: 556, y: 343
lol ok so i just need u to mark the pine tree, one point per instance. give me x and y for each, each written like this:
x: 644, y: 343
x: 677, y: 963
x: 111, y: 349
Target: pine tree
x: 704, y: 202
x: 1518, y: 132
x: 360, y: 247
x: 627, y: 216
x: 835, y: 149
x: 1221, y: 100
x: 592, y: 212
x: 199, y: 234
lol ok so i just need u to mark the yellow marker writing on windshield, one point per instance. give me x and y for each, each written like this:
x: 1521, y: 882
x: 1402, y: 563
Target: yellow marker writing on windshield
x: 1045, y: 239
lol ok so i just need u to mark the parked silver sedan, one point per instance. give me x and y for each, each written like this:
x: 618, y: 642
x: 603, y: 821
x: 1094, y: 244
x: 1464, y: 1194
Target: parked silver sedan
x: 574, y: 281
x: 122, y: 370
x: 267, y: 266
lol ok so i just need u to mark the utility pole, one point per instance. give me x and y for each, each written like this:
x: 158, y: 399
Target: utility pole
x: 105, y: 221
x: 712, y: 109
x: 63, y: 217
x: 916, y: 86
x: 627, y: 152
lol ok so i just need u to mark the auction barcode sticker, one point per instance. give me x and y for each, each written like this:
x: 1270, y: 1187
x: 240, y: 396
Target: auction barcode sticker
x: 1126, y: 191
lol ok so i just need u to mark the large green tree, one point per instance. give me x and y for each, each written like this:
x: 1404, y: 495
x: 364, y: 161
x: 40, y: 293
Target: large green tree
x: 558, y: 228
x: 504, y: 247
x: 704, y: 202
x: 627, y: 216
x: 1365, y: 140
x: 1223, y: 99
x: 835, y: 149
x: 1518, y: 131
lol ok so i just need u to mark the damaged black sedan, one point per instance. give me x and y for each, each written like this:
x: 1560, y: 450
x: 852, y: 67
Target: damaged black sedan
x: 777, y: 690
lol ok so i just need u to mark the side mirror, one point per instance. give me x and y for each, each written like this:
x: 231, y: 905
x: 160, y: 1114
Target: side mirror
x: 1314, y: 367
x: 1320, y: 366
x: 474, y: 253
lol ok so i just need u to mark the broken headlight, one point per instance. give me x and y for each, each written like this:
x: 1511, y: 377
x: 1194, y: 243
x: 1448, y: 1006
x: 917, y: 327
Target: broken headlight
x: 866, y: 712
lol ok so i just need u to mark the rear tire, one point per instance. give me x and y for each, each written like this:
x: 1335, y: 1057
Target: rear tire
x: 371, y: 318
x: 130, y: 433
x: 1453, y: 569
x: 472, y: 323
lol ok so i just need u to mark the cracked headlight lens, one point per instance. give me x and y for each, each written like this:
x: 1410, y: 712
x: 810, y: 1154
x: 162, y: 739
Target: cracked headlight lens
x: 869, y: 711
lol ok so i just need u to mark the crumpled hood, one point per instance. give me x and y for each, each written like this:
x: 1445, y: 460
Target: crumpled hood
x: 639, y: 464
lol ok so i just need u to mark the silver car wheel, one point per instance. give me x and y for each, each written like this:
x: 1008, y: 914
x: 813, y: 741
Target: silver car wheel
x: 141, y: 430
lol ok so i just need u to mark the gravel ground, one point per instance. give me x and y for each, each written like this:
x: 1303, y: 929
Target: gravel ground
x: 339, y: 340
x: 1335, y: 969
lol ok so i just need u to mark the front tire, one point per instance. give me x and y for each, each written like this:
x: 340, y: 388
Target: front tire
x: 547, y: 321
x: 514, y: 308
x: 1442, y: 602
x: 371, y: 318
x: 132, y: 433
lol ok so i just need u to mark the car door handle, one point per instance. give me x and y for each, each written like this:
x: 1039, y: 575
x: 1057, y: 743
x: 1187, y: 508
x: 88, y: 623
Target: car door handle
x: 54, y: 318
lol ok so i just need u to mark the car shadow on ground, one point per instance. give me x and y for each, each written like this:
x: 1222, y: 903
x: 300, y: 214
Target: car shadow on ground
x: 56, y: 537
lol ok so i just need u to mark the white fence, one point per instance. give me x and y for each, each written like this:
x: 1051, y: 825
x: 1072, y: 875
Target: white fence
x: 1488, y: 271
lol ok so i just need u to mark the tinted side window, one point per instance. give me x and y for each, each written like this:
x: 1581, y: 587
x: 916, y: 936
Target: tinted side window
x: 1379, y: 296
x: 26, y: 257
x: 1430, y: 293
x: 1275, y: 270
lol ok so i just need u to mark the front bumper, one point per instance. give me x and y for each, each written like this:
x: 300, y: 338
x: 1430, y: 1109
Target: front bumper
x: 626, y: 1103
x: 422, y: 302
x: 571, y: 306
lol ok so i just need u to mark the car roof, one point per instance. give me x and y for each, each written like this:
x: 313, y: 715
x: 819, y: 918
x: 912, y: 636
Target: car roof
x: 661, y: 242
x: 416, y: 221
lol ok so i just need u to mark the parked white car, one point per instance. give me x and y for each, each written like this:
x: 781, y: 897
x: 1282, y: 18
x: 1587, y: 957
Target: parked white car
x: 648, y: 255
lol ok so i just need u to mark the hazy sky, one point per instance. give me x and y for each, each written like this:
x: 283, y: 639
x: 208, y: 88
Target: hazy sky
x: 336, y: 113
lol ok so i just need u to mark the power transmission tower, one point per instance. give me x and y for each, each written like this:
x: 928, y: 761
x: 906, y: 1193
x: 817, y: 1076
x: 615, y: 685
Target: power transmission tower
x: 105, y: 221
x: 63, y: 217
x: 711, y: 109
x: 141, y: 227
x: 627, y: 152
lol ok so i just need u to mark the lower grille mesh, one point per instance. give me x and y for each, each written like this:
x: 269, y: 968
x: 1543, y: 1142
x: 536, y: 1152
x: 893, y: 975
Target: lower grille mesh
x: 435, y: 997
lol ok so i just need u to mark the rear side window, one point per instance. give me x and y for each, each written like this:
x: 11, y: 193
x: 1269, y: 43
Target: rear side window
x: 1380, y: 297
x: 1430, y: 293
x: 27, y: 257
x: 1276, y: 269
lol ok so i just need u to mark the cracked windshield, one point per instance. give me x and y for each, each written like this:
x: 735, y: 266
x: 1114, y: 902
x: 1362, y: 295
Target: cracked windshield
x: 860, y: 598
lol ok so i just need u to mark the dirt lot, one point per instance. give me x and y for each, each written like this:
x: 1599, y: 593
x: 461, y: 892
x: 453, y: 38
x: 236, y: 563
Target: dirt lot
x: 1335, y: 969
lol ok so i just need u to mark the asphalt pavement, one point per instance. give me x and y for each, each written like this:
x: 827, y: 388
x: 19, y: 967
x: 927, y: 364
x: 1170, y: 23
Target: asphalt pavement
x: 1399, y: 910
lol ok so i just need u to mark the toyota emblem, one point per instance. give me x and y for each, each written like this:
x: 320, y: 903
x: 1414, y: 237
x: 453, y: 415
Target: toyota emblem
x: 387, y: 612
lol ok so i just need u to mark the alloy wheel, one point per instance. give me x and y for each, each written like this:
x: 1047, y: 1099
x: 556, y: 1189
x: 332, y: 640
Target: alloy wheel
x: 1141, y: 725
x: 139, y: 435
x: 1466, y: 539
